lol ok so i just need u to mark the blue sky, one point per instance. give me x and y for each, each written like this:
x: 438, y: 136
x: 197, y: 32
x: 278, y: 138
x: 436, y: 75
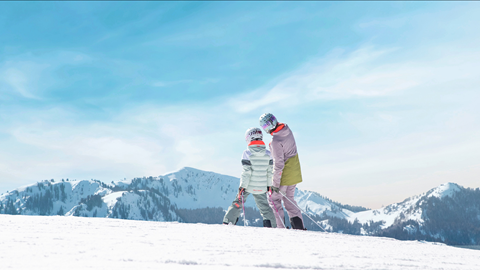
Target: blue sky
x: 382, y: 96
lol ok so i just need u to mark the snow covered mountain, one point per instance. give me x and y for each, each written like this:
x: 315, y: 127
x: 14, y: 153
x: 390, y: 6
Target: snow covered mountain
x: 189, y: 195
x: 448, y: 213
x: 152, y: 198
x: 409, y: 209
x: 195, y: 196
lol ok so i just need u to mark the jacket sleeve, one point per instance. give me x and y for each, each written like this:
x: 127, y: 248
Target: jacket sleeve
x: 270, y: 171
x: 278, y: 162
x: 247, y: 170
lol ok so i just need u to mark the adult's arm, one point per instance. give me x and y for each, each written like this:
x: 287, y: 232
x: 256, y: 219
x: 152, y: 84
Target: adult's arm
x: 278, y: 162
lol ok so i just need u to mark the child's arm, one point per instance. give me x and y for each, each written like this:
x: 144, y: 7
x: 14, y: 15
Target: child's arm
x: 247, y: 170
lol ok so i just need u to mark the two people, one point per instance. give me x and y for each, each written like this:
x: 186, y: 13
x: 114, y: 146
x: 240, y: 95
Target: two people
x: 276, y: 171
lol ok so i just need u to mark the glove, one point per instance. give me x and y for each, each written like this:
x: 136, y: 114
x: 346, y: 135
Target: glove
x: 240, y: 192
x: 272, y: 189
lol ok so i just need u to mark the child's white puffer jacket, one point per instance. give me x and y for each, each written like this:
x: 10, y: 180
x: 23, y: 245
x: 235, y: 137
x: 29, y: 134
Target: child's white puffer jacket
x: 257, y: 168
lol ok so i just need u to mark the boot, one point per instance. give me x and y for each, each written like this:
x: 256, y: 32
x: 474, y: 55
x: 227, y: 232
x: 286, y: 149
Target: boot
x: 267, y: 223
x: 296, y: 223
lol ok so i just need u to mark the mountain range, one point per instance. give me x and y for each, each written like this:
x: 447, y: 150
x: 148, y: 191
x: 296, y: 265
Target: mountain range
x: 448, y: 213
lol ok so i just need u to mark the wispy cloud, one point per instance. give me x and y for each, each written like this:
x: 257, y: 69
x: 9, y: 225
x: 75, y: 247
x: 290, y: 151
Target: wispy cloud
x: 141, y: 140
x: 22, y: 78
x: 337, y: 76
x: 364, y: 73
x: 18, y: 81
x: 30, y: 76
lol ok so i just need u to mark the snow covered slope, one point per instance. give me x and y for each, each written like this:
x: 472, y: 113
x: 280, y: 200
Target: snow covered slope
x: 40, y: 242
x: 314, y: 203
x: 191, y: 188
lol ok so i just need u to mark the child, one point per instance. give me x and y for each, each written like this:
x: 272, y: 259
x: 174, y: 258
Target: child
x: 286, y: 170
x: 256, y: 180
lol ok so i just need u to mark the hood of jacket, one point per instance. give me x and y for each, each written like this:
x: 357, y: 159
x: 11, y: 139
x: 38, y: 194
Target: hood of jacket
x: 285, y: 131
x: 257, y: 147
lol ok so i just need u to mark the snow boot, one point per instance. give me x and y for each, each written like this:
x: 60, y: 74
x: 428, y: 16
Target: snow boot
x: 296, y: 223
x: 267, y: 223
x: 231, y: 223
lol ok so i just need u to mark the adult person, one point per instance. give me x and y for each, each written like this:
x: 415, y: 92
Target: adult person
x: 286, y: 171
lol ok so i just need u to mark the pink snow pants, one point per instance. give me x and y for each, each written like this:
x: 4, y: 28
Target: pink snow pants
x: 292, y: 210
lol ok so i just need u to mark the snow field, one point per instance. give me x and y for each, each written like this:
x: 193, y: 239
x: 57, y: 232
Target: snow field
x: 59, y: 242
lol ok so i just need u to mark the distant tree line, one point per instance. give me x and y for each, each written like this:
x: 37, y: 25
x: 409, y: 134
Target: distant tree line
x: 152, y: 205
x: 352, y: 208
x: 92, y: 201
x: 41, y: 203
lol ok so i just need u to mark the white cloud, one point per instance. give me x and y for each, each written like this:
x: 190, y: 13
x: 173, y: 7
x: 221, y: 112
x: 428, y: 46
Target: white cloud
x: 140, y: 141
x: 30, y: 75
x: 364, y: 73
x: 90, y: 147
x: 21, y: 78
x: 18, y: 81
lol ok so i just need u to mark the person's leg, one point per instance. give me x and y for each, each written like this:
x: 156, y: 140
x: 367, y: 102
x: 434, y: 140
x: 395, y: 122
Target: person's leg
x: 296, y: 219
x: 265, y: 210
x: 234, y: 210
x: 276, y: 205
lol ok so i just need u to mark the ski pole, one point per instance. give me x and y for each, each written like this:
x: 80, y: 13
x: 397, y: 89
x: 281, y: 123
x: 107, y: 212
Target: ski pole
x: 280, y: 218
x: 285, y: 196
x: 243, y: 207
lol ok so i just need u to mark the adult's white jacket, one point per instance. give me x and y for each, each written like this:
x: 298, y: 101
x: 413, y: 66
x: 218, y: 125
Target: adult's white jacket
x: 257, y: 165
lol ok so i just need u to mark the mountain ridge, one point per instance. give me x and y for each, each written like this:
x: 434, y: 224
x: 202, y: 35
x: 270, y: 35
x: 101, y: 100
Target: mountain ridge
x: 192, y: 195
